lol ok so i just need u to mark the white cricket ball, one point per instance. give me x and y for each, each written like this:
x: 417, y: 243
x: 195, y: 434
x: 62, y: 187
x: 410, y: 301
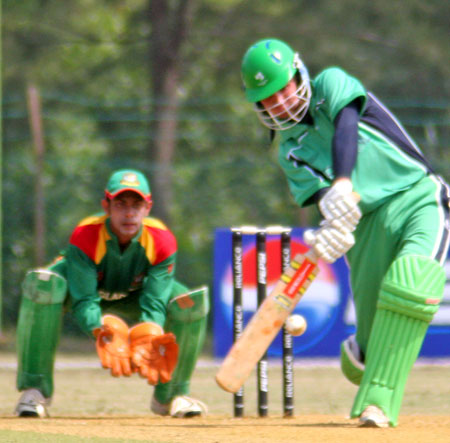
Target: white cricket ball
x: 296, y: 325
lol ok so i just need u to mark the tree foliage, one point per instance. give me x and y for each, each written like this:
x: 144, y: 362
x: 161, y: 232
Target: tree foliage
x: 112, y: 73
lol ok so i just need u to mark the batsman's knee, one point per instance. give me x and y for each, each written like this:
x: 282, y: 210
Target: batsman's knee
x: 413, y: 286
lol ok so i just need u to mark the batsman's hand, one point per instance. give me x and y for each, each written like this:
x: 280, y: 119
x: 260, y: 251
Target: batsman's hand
x: 153, y: 354
x: 329, y: 243
x: 112, y: 345
x: 340, y: 206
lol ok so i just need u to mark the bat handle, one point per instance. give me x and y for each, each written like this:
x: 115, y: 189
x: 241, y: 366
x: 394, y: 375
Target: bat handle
x: 311, y: 255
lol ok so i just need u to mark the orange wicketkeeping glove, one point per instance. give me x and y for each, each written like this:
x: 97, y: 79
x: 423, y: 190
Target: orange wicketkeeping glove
x: 112, y: 345
x: 153, y: 354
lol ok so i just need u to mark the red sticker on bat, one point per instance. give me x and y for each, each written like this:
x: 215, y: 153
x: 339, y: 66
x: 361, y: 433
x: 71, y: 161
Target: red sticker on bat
x: 299, y: 278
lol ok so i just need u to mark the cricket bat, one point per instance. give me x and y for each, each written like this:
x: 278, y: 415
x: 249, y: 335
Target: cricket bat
x: 267, y: 322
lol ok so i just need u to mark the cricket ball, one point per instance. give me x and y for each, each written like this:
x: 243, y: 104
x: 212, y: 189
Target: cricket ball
x: 296, y: 325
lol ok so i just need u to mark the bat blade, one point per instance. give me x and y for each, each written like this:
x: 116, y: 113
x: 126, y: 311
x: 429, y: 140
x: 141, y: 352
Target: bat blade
x: 266, y: 322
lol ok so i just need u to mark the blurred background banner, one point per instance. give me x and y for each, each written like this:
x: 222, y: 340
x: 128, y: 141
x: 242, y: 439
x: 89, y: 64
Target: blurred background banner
x: 327, y: 305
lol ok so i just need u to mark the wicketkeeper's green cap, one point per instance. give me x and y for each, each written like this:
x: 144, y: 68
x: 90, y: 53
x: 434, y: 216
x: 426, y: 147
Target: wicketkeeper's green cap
x: 128, y: 180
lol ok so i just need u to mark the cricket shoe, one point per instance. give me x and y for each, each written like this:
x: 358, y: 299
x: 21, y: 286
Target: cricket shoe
x: 32, y: 404
x: 373, y: 417
x: 181, y: 406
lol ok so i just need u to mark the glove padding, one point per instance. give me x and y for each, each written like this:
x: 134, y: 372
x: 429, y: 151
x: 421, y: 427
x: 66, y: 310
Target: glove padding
x: 153, y: 354
x: 112, y: 345
x: 340, y: 206
x: 329, y: 243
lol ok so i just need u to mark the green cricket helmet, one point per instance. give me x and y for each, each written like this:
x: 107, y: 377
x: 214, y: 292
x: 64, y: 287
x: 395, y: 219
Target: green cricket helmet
x: 267, y: 67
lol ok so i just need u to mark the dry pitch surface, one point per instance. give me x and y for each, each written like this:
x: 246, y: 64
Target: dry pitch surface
x: 89, y: 405
x: 306, y: 428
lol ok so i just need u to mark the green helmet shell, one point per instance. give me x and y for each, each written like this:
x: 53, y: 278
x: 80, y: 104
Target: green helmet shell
x: 267, y: 67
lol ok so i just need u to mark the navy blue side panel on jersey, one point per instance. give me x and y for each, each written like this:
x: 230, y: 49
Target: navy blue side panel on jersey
x: 380, y: 118
x: 445, y: 199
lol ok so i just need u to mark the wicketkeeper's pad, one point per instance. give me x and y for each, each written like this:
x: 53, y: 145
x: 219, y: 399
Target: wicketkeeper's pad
x: 38, y: 329
x: 187, y: 319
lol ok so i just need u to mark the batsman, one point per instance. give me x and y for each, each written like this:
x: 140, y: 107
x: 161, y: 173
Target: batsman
x: 117, y: 278
x: 335, y: 138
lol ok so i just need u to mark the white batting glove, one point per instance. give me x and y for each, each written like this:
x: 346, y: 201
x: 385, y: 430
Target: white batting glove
x: 329, y: 243
x: 339, y: 207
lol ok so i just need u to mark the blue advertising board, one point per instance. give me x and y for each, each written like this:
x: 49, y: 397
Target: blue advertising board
x: 327, y: 305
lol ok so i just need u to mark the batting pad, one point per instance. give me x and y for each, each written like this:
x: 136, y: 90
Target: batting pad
x: 351, y: 365
x: 187, y: 319
x: 38, y: 329
x: 410, y: 295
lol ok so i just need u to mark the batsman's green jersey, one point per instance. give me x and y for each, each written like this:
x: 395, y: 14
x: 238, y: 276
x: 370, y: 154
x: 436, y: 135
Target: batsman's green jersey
x: 102, y: 277
x: 404, y: 205
x: 402, y: 238
x: 305, y: 153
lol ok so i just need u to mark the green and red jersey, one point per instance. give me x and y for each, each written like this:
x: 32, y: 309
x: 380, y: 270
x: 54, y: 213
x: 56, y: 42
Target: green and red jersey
x: 100, y: 273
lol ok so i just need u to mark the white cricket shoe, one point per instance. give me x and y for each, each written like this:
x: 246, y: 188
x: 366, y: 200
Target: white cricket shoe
x: 181, y: 406
x: 373, y: 417
x: 32, y: 404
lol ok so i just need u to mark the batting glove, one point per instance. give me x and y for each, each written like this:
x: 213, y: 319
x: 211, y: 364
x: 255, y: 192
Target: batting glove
x: 340, y: 207
x: 329, y: 243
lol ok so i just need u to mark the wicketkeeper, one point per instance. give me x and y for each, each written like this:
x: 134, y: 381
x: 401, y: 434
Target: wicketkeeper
x: 117, y: 278
x: 335, y: 138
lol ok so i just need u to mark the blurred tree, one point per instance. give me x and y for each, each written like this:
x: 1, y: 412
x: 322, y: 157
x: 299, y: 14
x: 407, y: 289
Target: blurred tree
x: 170, y: 24
x: 117, y: 77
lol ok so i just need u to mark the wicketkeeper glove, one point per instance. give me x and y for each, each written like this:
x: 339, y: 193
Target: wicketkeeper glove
x: 112, y: 345
x: 340, y: 207
x: 329, y: 243
x: 153, y: 354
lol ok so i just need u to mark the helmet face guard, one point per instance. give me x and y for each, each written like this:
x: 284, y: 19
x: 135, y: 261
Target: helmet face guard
x: 267, y: 67
x: 271, y: 117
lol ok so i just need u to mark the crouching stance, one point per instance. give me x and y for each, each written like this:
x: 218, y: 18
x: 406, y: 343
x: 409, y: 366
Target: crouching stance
x: 117, y: 278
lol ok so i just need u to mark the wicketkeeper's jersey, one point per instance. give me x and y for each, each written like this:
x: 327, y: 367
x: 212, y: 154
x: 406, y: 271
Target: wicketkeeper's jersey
x: 99, y: 272
x: 388, y: 160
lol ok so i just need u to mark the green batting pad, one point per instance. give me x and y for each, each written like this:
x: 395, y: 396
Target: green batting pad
x: 352, y: 369
x: 413, y: 286
x: 38, y: 330
x: 409, y: 297
x: 187, y: 319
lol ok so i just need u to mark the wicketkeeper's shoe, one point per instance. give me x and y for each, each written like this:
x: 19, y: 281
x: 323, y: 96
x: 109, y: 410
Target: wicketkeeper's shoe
x: 32, y: 404
x: 180, y: 407
x: 373, y: 417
